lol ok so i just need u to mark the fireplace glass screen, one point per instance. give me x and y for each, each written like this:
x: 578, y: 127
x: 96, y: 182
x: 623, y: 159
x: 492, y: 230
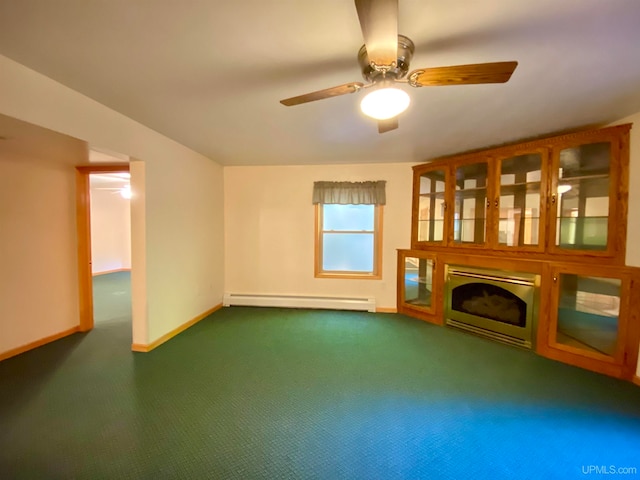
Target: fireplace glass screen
x: 497, y: 304
x: 489, y: 301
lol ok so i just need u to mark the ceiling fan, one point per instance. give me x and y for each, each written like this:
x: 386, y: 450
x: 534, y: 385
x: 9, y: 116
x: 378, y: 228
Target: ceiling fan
x: 384, y: 60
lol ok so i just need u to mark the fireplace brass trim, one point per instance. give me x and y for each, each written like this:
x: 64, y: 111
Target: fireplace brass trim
x: 511, y: 279
x: 512, y: 334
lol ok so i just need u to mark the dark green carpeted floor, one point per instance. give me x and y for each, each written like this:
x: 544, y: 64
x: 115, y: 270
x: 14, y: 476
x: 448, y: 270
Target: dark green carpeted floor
x: 112, y: 297
x: 253, y: 393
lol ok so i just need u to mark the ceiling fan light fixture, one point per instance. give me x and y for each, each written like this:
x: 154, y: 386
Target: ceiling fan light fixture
x: 385, y: 103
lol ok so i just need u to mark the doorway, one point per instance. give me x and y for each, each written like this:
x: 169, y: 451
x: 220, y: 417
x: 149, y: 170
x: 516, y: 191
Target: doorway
x: 107, y: 258
x: 110, y: 208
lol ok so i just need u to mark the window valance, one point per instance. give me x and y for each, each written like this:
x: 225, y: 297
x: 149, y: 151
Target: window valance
x: 345, y: 193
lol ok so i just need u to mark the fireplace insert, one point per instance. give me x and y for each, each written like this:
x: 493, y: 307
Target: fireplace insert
x: 497, y: 304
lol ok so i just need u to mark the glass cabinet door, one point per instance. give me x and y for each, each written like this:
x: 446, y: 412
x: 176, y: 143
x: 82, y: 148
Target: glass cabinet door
x: 469, y: 221
x: 418, y: 282
x: 520, y: 202
x: 581, y: 198
x: 419, y: 291
x: 588, y: 314
x: 431, y: 206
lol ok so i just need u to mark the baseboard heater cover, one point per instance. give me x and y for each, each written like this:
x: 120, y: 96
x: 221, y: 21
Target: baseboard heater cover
x: 299, y: 301
x: 489, y: 334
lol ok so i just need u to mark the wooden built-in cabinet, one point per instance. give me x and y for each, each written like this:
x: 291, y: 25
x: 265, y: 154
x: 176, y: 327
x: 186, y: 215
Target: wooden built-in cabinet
x: 556, y: 207
x: 560, y: 196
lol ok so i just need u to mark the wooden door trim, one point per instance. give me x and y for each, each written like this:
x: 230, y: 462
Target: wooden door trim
x: 83, y: 226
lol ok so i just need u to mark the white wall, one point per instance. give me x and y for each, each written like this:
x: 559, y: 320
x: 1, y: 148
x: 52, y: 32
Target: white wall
x: 110, y: 231
x: 183, y: 202
x: 269, y: 229
x: 139, y: 309
x: 185, y: 239
x: 38, y: 259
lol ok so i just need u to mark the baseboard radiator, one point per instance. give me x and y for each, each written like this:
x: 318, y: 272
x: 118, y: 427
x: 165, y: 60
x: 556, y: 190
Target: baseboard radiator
x: 299, y: 301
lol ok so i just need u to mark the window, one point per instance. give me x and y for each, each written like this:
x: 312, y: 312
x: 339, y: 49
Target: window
x: 348, y: 235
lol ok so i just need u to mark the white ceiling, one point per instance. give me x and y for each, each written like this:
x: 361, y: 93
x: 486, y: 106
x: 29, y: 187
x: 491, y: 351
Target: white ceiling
x: 210, y: 74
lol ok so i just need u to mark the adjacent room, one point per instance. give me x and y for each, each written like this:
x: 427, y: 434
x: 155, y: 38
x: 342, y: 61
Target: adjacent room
x: 110, y: 246
x: 333, y: 240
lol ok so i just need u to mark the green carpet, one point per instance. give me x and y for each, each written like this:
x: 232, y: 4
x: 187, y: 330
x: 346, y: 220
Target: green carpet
x: 112, y: 297
x: 253, y: 393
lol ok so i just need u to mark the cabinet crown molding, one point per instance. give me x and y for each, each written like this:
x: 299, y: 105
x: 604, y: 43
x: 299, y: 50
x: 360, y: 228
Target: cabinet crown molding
x: 530, y: 144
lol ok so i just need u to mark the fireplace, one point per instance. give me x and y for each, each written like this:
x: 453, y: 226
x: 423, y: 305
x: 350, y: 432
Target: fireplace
x: 497, y: 304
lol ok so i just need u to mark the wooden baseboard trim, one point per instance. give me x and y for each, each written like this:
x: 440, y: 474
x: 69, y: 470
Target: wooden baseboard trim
x: 636, y: 380
x: 38, y: 343
x: 111, y: 271
x: 386, y: 310
x: 138, y: 347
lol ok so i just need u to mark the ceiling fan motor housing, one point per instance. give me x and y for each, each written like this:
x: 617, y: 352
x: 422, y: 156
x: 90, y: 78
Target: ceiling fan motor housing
x: 399, y: 70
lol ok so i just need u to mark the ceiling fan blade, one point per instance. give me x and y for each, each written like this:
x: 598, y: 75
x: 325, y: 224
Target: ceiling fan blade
x: 387, y: 125
x: 321, y: 94
x: 498, y: 72
x: 379, y: 25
